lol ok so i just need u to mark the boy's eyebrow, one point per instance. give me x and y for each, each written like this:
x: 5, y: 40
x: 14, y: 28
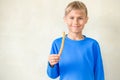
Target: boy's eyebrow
x: 77, y: 16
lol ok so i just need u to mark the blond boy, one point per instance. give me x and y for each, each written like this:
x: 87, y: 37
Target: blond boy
x: 81, y: 57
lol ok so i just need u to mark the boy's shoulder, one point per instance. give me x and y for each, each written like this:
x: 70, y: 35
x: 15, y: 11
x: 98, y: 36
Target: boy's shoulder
x: 92, y: 40
x: 57, y: 40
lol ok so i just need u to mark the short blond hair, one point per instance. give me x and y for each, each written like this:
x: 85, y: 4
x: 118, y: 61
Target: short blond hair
x: 76, y: 5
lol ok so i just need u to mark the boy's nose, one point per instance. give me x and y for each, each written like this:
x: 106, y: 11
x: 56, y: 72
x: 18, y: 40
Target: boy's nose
x: 75, y: 21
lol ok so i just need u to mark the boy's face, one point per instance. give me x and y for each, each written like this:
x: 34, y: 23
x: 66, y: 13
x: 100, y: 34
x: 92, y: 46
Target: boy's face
x: 76, y: 20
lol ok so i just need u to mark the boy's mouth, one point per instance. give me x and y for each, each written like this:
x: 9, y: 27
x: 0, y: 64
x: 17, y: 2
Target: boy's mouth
x: 75, y: 26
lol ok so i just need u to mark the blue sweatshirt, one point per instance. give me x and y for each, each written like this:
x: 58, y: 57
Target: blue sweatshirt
x: 80, y: 60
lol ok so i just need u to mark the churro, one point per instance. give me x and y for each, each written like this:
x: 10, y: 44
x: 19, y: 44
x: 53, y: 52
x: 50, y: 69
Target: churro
x: 62, y: 44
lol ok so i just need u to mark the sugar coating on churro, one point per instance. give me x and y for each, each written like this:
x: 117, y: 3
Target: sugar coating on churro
x: 62, y: 44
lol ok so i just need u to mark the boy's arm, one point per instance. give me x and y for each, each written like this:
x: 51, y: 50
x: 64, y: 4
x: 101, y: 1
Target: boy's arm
x: 53, y: 71
x: 98, y: 67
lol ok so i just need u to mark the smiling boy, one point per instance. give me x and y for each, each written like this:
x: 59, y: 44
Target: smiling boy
x: 81, y: 57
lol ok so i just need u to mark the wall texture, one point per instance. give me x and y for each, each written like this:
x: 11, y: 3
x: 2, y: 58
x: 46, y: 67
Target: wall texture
x: 28, y: 27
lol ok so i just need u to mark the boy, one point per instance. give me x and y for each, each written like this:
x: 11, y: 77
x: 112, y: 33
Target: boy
x: 81, y: 57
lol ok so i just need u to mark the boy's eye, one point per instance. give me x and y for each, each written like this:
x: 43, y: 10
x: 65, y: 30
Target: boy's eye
x: 71, y: 17
x: 80, y: 18
x: 77, y: 18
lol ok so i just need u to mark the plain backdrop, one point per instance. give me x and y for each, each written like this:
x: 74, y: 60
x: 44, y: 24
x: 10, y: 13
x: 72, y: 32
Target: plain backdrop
x: 28, y: 27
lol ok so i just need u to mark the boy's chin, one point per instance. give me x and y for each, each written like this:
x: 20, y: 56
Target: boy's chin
x: 76, y: 32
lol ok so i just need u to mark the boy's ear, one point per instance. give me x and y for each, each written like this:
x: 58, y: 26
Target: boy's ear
x: 86, y: 19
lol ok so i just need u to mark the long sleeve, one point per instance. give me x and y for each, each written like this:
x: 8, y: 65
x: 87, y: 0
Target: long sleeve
x: 98, y: 64
x: 53, y: 72
x: 80, y: 60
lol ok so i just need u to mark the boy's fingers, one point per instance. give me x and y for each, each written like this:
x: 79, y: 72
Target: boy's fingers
x: 53, y: 58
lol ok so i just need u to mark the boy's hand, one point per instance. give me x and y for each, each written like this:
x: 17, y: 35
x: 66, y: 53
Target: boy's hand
x: 53, y: 59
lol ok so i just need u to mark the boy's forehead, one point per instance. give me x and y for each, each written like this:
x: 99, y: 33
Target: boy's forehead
x: 80, y: 12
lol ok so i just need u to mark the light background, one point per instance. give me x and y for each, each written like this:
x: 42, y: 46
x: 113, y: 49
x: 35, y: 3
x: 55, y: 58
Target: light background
x: 28, y: 27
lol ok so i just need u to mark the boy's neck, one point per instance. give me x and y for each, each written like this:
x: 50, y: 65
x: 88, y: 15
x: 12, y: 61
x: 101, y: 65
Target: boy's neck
x: 75, y: 36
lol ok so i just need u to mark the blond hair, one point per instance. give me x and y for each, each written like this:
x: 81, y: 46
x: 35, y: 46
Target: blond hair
x: 76, y: 5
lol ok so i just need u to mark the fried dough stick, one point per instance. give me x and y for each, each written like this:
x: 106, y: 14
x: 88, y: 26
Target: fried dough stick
x: 62, y: 44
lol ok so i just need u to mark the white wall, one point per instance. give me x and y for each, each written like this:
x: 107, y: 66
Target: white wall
x: 28, y: 27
